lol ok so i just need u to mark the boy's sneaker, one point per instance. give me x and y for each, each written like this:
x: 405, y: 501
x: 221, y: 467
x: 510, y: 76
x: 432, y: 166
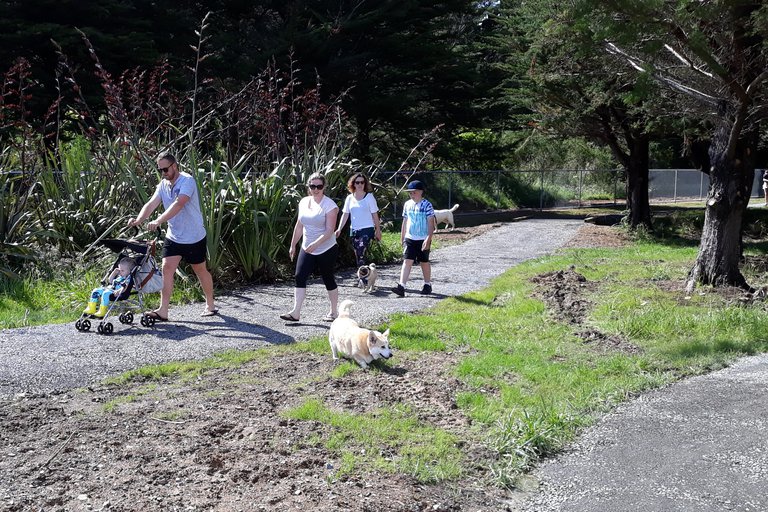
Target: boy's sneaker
x: 427, y: 289
x: 399, y: 290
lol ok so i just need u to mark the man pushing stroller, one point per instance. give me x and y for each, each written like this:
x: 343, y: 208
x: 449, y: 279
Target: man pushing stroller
x: 185, y: 238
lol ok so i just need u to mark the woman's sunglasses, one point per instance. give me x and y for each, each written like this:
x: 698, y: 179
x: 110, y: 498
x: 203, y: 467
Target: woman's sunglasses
x: 316, y: 187
x: 359, y: 182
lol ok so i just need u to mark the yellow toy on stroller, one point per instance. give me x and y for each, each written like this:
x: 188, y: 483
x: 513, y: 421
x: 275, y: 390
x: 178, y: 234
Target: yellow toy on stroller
x: 133, y: 274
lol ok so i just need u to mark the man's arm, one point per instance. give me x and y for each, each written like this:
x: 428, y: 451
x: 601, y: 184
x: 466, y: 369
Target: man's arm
x: 146, y: 211
x: 170, y: 213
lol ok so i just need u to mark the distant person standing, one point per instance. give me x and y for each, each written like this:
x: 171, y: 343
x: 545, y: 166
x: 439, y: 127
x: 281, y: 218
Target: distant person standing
x: 765, y: 186
x: 416, y: 237
x: 360, y: 205
x: 185, y: 238
x: 314, y: 226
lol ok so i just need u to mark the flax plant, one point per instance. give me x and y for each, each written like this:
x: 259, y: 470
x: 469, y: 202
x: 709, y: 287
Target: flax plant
x: 261, y: 206
x: 15, y: 220
x: 82, y: 200
x: 214, y: 180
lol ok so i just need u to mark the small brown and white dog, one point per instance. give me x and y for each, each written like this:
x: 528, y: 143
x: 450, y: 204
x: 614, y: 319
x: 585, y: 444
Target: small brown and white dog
x: 366, y: 277
x: 353, y: 342
x: 446, y: 217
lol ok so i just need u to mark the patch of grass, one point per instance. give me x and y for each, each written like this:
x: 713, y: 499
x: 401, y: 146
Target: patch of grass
x: 388, y: 440
x: 243, y: 380
x: 189, y: 369
x: 174, y: 415
x: 112, y: 405
x: 38, y: 302
x: 343, y: 369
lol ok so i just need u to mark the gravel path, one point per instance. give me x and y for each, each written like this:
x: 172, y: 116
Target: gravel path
x: 54, y: 358
x: 700, y: 445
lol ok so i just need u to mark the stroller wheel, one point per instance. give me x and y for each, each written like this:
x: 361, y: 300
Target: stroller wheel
x: 108, y: 328
x: 85, y: 325
x: 79, y: 325
x: 100, y: 328
x: 126, y: 318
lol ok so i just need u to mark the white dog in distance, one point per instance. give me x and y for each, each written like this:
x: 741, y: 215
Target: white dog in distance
x: 353, y: 342
x: 445, y: 217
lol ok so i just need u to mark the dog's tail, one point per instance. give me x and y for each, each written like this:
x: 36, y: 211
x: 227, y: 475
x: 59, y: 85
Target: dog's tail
x: 344, y: 308
x: 455, y: 207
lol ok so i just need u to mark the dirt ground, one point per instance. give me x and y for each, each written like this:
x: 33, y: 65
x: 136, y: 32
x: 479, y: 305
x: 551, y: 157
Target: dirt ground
x: 219, y: 442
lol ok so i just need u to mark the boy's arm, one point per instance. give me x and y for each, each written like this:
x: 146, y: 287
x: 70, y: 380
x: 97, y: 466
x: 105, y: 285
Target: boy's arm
x: 430, y: 231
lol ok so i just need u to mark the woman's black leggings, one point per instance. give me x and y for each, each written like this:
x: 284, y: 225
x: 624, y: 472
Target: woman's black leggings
x: 324, y: 263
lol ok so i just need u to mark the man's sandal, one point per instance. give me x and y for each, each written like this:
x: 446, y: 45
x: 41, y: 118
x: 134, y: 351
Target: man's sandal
x: 155, y: 316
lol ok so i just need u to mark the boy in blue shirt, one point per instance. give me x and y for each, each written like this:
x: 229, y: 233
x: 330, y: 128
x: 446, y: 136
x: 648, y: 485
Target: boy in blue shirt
x: 416, y: 237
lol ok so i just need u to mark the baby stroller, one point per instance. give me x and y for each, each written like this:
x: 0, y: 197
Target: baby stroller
x: 145, y: 277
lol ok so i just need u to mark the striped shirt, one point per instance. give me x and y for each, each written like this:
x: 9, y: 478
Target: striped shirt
x: 417, y: 215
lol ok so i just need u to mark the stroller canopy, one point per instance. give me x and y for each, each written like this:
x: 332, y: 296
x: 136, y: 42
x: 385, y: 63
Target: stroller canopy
x: 117, y: 245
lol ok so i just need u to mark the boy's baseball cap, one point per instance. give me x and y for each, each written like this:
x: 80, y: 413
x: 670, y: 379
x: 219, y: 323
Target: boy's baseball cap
x: 415, y: 185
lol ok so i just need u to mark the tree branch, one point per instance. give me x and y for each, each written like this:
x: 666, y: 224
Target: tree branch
x: 641, y: 66
x: 688, y: 62
x: 710, y: 61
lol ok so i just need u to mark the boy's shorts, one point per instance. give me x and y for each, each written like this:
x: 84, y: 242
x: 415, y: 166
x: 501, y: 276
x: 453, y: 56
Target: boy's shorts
x: 412, y: 251
x: 191, y: 253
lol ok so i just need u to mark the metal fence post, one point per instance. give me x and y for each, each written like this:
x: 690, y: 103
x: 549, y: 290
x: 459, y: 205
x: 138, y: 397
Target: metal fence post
x: 675, y: 198
x: 394, y: 203
x: 541, y: 190
x: 450, y: 187
x: 498, y: 189
x: 581, y: 182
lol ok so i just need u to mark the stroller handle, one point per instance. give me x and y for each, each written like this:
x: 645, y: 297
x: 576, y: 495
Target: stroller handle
x: 157, y: 232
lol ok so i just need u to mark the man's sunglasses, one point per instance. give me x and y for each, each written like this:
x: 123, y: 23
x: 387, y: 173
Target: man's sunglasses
x: 164, y: 169
x: 316, y: 187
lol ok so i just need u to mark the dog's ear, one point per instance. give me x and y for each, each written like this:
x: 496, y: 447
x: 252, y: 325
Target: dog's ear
x: 386, y: 333
x: 371, y: 338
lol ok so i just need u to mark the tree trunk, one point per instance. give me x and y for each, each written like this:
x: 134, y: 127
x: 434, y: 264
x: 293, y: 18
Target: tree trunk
x: 730, y: 178
x: 637, y: 182
x: 361, y: 146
